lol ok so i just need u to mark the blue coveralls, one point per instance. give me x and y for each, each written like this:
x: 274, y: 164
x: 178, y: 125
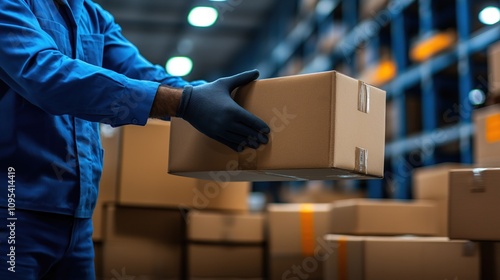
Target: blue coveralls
x: 64, y: 68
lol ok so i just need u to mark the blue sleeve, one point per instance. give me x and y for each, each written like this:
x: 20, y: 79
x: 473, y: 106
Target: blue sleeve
x: 32, y: 65
x: 122, y: 56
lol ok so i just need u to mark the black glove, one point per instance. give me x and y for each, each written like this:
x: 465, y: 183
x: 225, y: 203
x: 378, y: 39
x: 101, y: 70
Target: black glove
x: 211, y: 110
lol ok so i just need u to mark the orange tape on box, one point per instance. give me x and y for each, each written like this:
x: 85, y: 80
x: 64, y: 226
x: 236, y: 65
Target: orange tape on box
x: 307, y: 229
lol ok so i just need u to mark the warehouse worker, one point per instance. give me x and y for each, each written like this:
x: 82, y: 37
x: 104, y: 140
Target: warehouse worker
x: 64, y: 68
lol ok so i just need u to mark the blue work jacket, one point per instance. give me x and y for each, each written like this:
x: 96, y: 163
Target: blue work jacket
x: 64, y: 68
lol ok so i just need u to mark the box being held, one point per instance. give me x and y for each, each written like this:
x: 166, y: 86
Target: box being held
x: 324, y: 126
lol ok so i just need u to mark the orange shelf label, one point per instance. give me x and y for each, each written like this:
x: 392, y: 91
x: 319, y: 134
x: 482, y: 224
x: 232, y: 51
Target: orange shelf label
x: 493, y: 128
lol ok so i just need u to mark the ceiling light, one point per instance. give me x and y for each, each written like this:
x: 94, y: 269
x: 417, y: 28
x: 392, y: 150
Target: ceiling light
x: 179, y: 66
x: 489, y: 15
x: 477, y: 97
x: 202, y: 16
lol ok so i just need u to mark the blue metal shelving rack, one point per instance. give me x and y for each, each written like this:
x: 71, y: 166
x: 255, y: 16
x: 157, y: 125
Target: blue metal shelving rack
x: 396, y: 27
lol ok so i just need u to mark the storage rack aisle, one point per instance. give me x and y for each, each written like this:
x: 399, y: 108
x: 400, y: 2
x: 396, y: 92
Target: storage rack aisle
x: 428, y: 55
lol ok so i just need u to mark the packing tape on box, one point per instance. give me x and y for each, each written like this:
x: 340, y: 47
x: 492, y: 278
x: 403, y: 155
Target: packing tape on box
x: 342, y: 259
x: 363, y: 97
x: 477, y: 184
x: 307, y: 229
x: 361, y: 161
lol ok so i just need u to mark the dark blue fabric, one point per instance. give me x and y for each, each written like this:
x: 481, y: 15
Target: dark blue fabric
x: 45, y: 246
x: 64, y: 67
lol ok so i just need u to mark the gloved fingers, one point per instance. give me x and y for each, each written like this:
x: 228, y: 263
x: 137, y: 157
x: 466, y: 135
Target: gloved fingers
x: 240, y: 79
x: 235, y: 146
x: 250, y: 134
x: 237, y: 141
x: 197, y: 82
x: 253, y: 122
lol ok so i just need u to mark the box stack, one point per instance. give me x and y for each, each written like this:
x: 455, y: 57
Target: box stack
x: 139, y: 220
x: 225, y: 246
x: 296, y: 240
x: 494, y: 73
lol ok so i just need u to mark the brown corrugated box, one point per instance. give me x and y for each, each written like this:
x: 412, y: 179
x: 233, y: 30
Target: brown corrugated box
x: 143, y: 242
x: 225, y: 245
x: 383, y: 217
x: 295, y: 236
x: 487, y: 136
x: 225, y: 227
x: 142, y: 162
x: 370, y: 8
x: 494, y: 69
x: 110, y: 141
x: 475, y: 204
x: 396, y: 258
x: 225, y: 261
x: 431, y: 183
x: 323, y: 126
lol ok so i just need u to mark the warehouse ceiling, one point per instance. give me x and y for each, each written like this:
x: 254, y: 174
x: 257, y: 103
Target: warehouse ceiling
x: 159, y: 28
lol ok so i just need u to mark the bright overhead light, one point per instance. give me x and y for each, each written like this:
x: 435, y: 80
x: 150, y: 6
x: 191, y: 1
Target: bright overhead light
x: 179, y: 66
x: 489, y: 15
x: 202, y: 16
x: 477, y: 97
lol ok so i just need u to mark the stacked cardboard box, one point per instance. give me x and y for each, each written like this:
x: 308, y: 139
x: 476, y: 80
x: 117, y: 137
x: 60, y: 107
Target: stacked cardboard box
x: 136, y: 188
x: 431, y: 183
x: 316, y: 112
x: 225, y: 246
x: 296, y: 240
x: 487, y: 136
x: 494, y: 72
x: 475, y: 204
x: 395, y: 258
x: 145, y: 243
x: 383, y: 217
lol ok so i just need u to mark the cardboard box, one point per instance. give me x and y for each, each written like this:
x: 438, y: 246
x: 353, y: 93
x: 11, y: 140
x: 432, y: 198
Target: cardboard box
x: 231, y: 261
x: 395, y: 258
x: 144, y: 243
x: 487, y: 136
x: 295, y: 267
x: 431, y: 183
x: 383, y: 217
x: 475, y: 204
x: 494, y: 69
x: 338, y: 123
x: 370, y: 8
x: 143, y: 179
x: 110, y: 141
x: 225, y: 245
x: 295, y: 234
x: 225, y: 227
x: 98, y: 260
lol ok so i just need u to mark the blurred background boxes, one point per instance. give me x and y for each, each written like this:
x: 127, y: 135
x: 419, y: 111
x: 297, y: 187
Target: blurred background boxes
x: 432, y: 183
x: 487, y: 136
x: 295, y: 235
x: 379, y: 217
x: 395, y: 258
x: 143, y: 242
x: 475, y: 204
x: 225, y: 246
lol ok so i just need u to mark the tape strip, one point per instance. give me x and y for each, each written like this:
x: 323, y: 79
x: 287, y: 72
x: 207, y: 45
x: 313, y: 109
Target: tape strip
x: 307, y: 229
x: 477, y: 184
x: 363, y: 97
x: 342, y: 259
x: 361, y: 161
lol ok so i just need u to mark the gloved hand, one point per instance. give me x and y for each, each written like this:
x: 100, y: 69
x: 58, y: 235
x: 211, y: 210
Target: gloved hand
x: 211, y: 110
